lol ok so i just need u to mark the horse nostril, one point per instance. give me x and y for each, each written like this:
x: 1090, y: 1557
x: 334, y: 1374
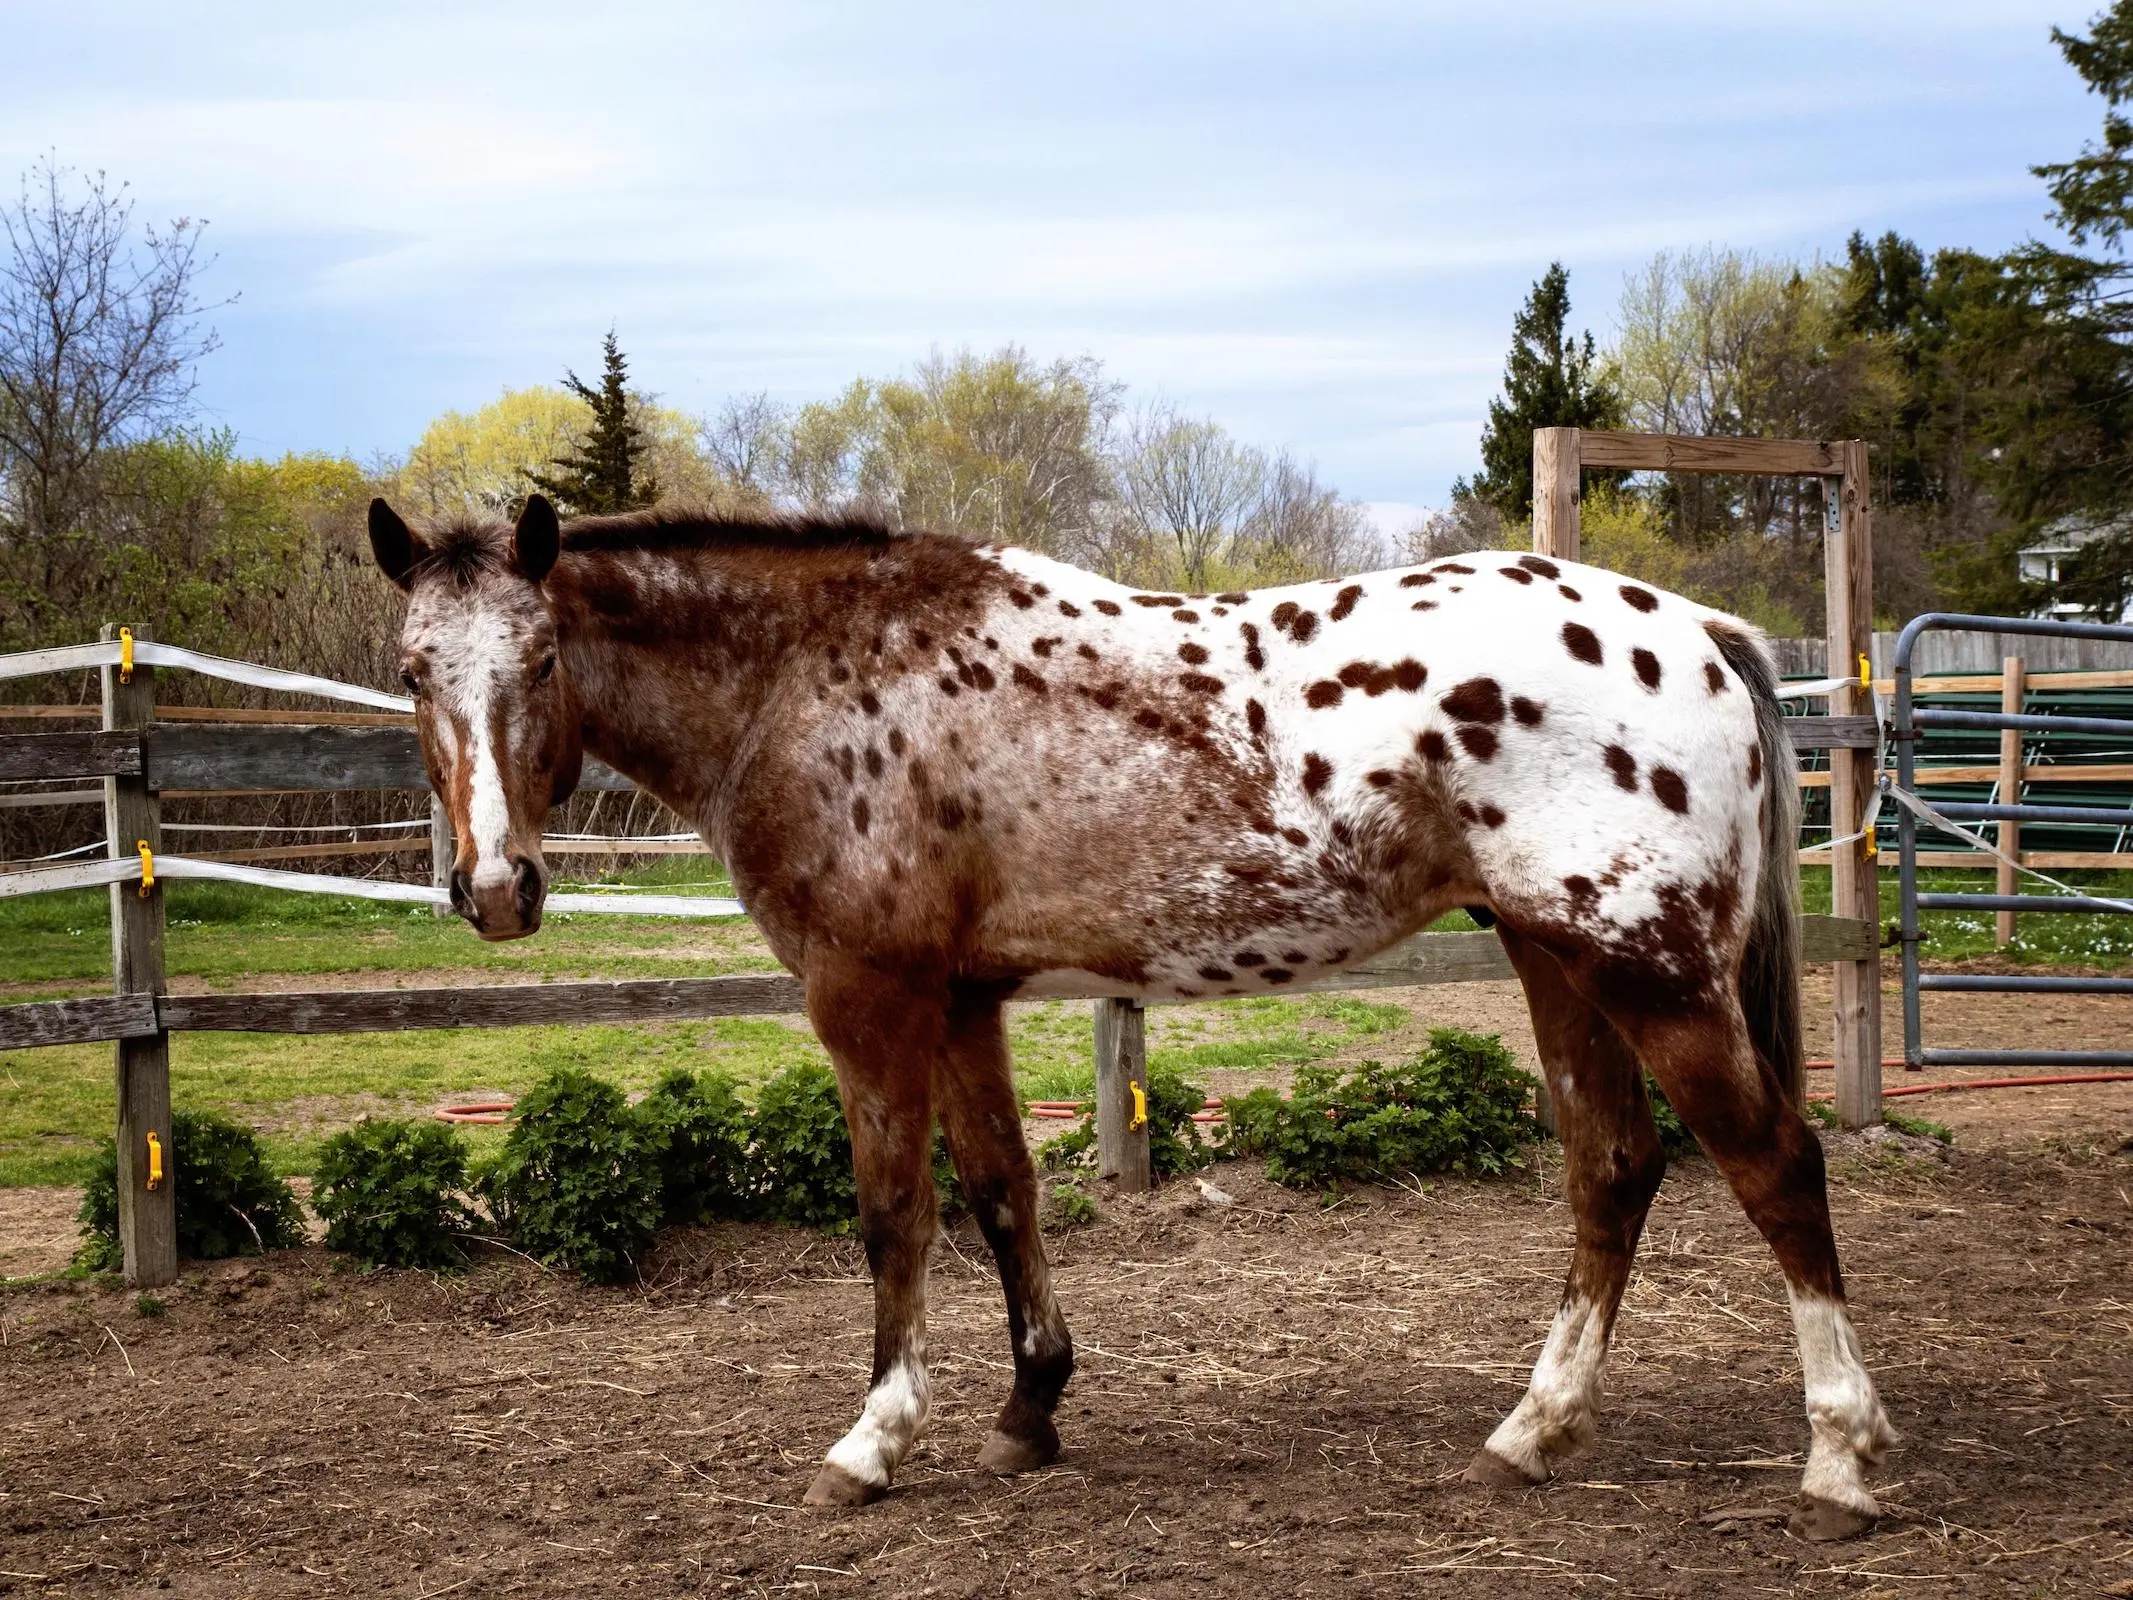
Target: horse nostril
x: 462, y: 893
x: 526, y: 881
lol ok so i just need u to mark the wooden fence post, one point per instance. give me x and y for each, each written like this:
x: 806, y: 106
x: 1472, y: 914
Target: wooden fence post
x: 2011, y: 685
x: 440, y: 852
x: 1122, y: 1067
x: 1557, y: 493
x: 1558, y: 481
x: 1855, y: 885
x: 147, y: 1216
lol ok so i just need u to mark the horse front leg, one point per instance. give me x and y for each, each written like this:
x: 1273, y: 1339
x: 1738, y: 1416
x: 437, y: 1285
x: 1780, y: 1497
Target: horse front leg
x: 975, y: 1096
x: 883, y: 1038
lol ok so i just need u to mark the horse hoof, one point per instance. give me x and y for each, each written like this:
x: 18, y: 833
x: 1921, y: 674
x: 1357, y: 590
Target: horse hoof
x: 1819, y: 1520
x: 1491, y: 1471
x: 1007, y: 1455
x: 833, y: 1486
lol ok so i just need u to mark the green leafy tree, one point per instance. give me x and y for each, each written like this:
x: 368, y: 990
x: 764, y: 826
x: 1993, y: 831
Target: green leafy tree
x: 1552, y: 379
x: 607, y: 472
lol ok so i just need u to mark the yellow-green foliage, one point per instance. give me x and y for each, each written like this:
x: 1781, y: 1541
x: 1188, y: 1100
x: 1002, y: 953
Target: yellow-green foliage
x: 1625, y: 533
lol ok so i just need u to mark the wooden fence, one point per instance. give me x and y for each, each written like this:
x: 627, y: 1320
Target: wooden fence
x: 140, y: 757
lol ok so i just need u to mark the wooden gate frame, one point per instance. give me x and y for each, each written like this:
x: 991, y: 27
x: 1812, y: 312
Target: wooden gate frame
x: 1560, y: 458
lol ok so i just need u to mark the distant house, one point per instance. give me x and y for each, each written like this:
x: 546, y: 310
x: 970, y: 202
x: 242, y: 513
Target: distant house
x: 2044, y: 561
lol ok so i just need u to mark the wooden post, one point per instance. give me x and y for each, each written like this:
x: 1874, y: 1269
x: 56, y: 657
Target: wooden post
x: 1557, y: 494
x: 440, y: 852
x: 1848, y: 572
x: 147, y: 1217
x: 2010, y: 793
x: 1121, y: 1067
x: 1557, y: 482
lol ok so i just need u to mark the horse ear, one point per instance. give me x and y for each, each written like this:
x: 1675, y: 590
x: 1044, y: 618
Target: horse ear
x: 539, y: 539
x: 392, y: 542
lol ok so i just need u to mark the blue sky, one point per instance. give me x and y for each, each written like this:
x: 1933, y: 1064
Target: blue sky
x: 1312, y: 221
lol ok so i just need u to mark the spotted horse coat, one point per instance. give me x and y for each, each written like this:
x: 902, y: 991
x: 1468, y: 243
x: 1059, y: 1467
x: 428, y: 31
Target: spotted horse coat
x: 946, y: 775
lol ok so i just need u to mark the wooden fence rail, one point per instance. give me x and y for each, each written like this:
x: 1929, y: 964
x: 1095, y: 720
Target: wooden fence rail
x: 243, y: 759
x: 1425, y: 959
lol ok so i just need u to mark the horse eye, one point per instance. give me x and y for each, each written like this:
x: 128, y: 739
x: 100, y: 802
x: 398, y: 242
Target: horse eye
x: 546, y: 669
x: 414, y: 684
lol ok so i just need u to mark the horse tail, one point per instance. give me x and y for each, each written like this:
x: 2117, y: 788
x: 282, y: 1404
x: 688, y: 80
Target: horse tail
x: 1770, y: 967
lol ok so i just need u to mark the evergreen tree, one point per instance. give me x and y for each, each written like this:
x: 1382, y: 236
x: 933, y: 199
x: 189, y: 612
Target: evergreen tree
x: 1552, y: 379
x: 2069, y: 455
x: 2092, y: 195
x: 603, y: 475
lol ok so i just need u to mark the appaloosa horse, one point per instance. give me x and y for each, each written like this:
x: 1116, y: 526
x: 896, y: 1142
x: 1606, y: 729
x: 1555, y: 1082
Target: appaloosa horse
x: 946, y: 775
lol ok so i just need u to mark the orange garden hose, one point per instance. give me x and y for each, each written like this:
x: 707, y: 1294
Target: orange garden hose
x: 493, y: 1112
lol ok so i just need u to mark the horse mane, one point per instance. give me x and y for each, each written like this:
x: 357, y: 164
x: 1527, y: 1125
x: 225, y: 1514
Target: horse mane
x: 685, y: 527
x: 467, y: 546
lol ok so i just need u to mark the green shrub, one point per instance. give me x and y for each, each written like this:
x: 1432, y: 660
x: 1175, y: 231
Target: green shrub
x: 802, y: 1155
x: 1674, y: 1136
x: 1074, y: 1148
x: 1460, y: 1106
x: 1174, y: 1142
x: 389, y: 1193
x: 947, y: 1182
x: 1071, y: 1205
x: 574, y: 1182
x: 696, y: 1131
x: 229, y: 1201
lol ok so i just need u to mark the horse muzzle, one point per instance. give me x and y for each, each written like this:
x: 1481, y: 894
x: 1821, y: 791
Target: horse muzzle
x: 502, y: 905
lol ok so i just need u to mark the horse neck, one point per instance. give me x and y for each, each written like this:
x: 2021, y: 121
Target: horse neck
x: 679, y: 655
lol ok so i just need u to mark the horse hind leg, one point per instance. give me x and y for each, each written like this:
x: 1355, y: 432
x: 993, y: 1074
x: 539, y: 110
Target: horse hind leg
x: 975, y: 1096
x: 1612, y: 1167
x: 882, y: 1039
x: 1756, y: 1136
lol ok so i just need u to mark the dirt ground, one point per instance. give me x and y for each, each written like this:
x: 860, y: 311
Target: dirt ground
x: 1274, y: 1396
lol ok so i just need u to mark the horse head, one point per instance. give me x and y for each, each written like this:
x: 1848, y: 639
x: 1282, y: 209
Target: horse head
x: 498, y: 718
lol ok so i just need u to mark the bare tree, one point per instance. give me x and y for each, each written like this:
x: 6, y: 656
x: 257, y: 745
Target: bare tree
x: 747, y: 442
x: 1469, y: 523
x: 1188, y: 483
x: 99, y: 331
x: 1299, y: 528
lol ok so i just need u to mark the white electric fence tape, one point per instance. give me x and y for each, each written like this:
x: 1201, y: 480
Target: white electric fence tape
x: 147, y: 653
x: 89, y: 874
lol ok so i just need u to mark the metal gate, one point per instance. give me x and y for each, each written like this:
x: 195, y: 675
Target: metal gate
x: 1912, y: 723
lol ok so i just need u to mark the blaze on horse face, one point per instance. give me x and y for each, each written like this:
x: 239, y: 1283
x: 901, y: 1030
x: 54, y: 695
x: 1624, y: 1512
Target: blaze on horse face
x: 498, y: 719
